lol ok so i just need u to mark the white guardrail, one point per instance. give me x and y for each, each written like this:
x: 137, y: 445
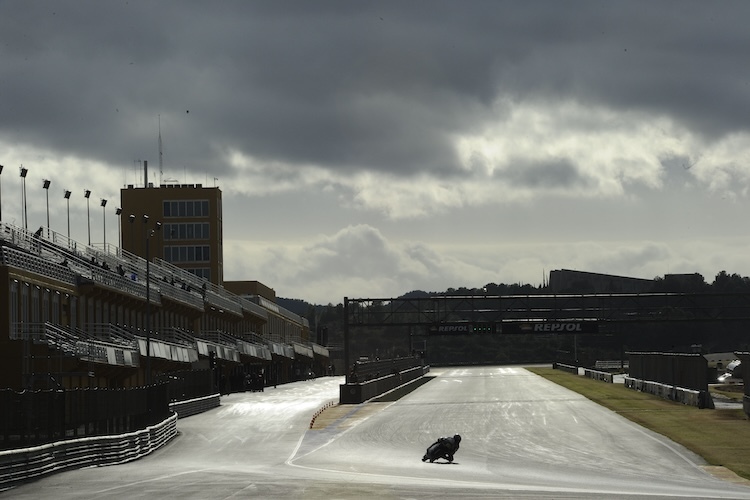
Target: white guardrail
x: 38, y: 461
x: 701, y: 399
x: 598, y: 375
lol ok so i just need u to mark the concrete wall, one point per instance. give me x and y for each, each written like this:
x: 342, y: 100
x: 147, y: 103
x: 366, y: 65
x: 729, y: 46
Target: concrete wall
x: 355, y: 393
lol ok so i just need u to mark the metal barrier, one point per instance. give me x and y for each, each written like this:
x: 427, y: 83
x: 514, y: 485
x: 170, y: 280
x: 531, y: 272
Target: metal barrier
x: 611, y: 365
x: 700, y: 399
x: 38, y: 461
x: 566, y: 368
x: 597, y: 375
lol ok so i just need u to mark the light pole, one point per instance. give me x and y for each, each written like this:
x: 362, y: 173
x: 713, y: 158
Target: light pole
x: 67, y: 198
x: 87, y: 193
x: 104, y: 223
x: 45, y: 185
x: 147, y: 235
x: 118, y: 212
x: 24, y: 171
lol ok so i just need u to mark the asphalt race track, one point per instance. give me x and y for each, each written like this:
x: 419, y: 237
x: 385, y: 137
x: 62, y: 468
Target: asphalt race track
x: 523, y: 437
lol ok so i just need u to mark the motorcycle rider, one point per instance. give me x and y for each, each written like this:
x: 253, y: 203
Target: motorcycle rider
x: 448, y: 447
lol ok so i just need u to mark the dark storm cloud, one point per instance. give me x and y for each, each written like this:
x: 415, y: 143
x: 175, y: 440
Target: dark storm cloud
x: 382, y: 85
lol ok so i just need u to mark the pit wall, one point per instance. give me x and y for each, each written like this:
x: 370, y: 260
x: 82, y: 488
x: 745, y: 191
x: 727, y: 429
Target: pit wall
x: 355, y: 393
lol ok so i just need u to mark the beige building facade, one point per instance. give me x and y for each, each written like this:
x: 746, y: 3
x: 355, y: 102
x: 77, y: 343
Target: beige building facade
x: 178, y: 223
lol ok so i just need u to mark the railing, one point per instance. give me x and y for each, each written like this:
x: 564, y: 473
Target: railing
x: 60, y: 258
x: 61, y: 339
x: 254, y: 338
x: 38, y: 265
x: 212, y: 293
x: 113, y: 334
x: 218, y: 337
x: 176, y: 336
x: 611, y: 365
x: 223, y: 302
x: 253, y: 308
x: 174, y: 291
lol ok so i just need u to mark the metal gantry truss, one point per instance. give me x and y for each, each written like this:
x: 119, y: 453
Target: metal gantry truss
x: 604, y: 309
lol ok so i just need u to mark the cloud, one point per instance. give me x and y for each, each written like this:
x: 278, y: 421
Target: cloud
x: 353, y: 138
x: 357, y: 260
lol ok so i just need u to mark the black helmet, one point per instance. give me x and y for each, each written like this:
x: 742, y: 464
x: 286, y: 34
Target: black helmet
x: 457, y: 438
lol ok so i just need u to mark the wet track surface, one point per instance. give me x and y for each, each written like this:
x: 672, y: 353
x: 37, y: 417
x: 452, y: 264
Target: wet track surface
x: 523, y: 437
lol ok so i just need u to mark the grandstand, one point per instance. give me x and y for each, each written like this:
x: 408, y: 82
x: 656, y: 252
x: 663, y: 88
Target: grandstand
x: 82, y: 315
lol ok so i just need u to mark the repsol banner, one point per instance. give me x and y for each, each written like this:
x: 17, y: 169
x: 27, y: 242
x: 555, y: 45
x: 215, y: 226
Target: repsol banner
x: 542, y: 327
x: 451, y: 329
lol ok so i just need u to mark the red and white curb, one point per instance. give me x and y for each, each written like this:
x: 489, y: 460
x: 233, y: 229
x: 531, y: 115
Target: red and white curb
x: 317, y: 413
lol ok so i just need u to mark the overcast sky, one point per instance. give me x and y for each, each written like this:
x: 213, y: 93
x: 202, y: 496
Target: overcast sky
x: 367, y: 149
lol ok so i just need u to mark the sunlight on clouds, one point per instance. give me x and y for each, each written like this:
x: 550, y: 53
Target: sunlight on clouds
x: 64, y: 172
x: 610, y: 149
x: 258, y: 177
x: 536, y: 150
x: 724, y: 166
x: 407, y: 198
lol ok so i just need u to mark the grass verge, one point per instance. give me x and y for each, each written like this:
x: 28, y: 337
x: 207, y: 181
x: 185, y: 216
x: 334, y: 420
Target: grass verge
x: 721, y: 437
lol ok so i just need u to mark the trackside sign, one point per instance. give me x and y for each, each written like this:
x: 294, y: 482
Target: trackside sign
x: 450, y: 329
x: 562, y: 327
x: 515, y: 328
x: 558, y: 327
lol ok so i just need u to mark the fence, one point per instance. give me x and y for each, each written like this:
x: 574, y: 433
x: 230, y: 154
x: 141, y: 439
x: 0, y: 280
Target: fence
x: 38, y: 461
x: 187, y: 384
x: 33, y: 418
x: 679, y: 377
x: 677, y: 369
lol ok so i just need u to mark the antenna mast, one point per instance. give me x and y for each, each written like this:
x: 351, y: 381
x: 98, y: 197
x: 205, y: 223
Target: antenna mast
x: 161, y: 155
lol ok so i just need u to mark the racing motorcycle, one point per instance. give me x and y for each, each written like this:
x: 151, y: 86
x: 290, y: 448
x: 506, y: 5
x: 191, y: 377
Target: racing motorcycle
x: 444, y: 447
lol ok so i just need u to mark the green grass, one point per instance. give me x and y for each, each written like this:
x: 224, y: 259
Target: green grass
x: 721, y: 437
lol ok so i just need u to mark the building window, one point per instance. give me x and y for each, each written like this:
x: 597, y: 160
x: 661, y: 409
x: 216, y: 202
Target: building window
x: 186, y: 208
x: 187, y: 231
x: 187, y: 253
x: 201, y: 272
